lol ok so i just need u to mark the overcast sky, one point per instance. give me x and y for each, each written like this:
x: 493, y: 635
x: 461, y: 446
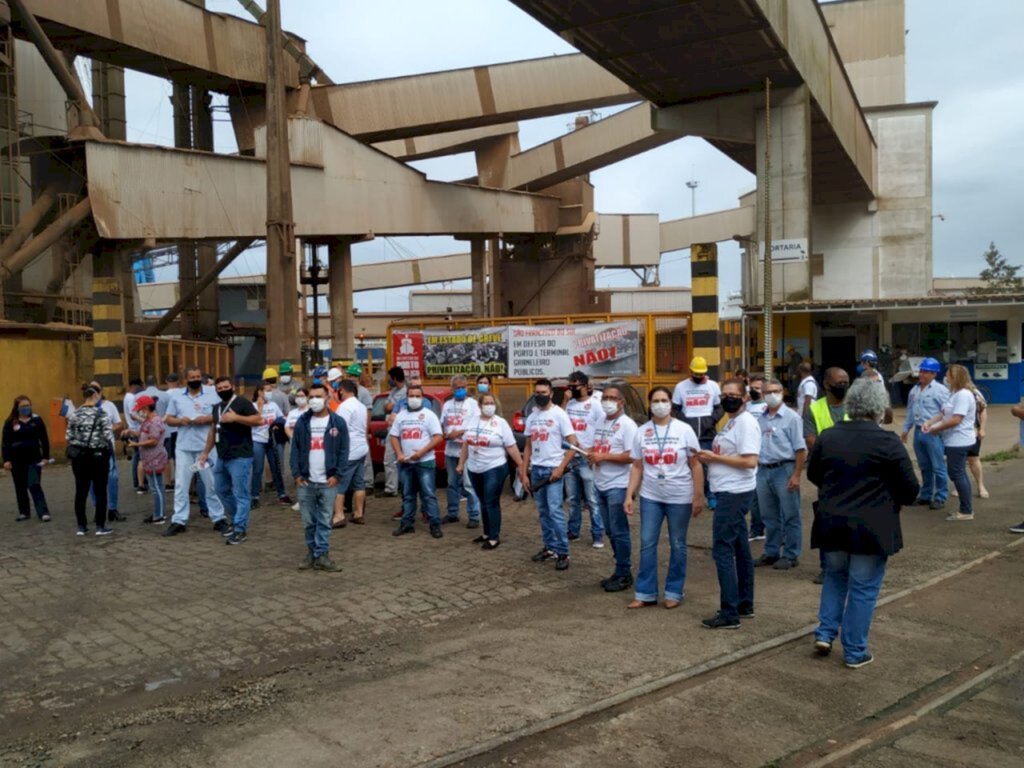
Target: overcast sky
x: 965, y: 56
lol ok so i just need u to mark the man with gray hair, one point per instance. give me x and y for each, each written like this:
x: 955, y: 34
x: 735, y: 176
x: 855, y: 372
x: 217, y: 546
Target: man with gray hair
x: 458, y: 411
x: 779, y: 467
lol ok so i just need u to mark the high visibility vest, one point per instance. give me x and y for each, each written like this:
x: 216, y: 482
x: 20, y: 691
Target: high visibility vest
x: 822, y: 415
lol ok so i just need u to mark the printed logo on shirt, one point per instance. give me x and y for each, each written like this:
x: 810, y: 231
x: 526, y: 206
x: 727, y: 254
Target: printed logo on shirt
x: 697, y: 400
x: 655, y: 457
x: 412, y: 433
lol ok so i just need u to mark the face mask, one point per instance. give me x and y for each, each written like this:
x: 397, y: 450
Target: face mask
x: 24, y: 410
x: 697, y: 379
x: 731, y: 403
x: 488, y: 410
x: 542, y: 401
x: 460, y: 393
x: 286, y: 379
x: 483, y: 389
x: 317, y: 404
x: 300, y: 402
x: 576, y: 391
x: 838, y: 390
x: 661, y: 409
x: 415, y: 403
x: 773, y: 399
x: 609, y: 408
x: 225, y: 395
x: 755, y: 395
x: 195, y: 386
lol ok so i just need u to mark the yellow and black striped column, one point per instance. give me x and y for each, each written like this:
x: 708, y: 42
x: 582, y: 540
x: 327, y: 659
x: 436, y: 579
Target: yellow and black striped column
x: 704, y: 294
x: 108, y: 321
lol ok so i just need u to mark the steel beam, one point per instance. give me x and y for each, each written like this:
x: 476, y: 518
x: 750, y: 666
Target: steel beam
x: 680, y: 234
x: 443, y: 144
x: 26, y: 255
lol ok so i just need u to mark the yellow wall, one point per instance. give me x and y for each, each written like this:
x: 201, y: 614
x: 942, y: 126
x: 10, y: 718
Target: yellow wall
x: 789, y: 326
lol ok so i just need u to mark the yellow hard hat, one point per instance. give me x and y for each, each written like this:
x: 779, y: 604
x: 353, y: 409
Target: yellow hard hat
x: 698, y: 365
x: 269, y: 373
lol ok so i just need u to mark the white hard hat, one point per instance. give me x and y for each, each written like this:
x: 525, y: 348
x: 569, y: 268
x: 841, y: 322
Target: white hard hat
x: 334, y: 374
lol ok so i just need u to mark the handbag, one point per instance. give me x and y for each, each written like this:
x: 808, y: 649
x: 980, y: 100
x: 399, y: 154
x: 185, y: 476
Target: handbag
x: 75, y: 451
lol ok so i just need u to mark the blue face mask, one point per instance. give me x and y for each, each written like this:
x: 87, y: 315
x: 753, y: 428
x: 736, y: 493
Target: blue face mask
x: 460, y: 393
x: 483, y: 389
x: 24, y: 410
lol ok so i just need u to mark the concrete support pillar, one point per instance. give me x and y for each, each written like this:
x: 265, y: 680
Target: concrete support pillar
x: 790, y: 180
x: 494, y: 270
x: 478, y: 261
x: 108, y: 317
x: 339, y: 263
x: 704, y: 320
x: 108, y: 100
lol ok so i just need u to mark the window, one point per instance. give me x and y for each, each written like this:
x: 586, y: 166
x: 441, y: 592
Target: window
x: 962, y: 341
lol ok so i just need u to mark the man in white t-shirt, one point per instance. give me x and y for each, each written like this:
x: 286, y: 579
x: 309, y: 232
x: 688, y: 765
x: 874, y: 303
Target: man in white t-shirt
x: 547, y: 429
x: 697, y: 401
x: 112, y: 480
x: 584, y: 411
x: 415, y: 432
x: 353, y: 481
x: 732, y: 465
x: 807, y: 390
x: 458, y: 411
x: 610, y: 456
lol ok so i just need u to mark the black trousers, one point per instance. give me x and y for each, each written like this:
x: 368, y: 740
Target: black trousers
x: 27, y: 482
x: 91, y: 470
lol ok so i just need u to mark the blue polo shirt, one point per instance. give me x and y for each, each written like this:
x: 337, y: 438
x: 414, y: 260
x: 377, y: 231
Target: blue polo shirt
x: 184, y: 405
x: 924, y: 404
x: 782, y: 435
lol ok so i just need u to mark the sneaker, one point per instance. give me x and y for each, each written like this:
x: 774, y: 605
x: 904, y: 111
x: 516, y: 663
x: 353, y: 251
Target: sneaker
x: 618, y: 583
x: 20, y: 518
x: 820, y: 578
x: 544, y: 554
x: 307, y: 562
x: 324, y: 563
x: 155, y: 520
x: 936, y: 504
x: 141, y: 491
x: 573, y: 536
x: 284, y: 500
x: 473, y: 524
x: 822, y: 647
x: 863, y: 661
x: 784, y: 564
x: 401, y: 530
x: 957, y: 516
x: 104, y: 531
x: 756, y: 537
x: 237, y: 537
x: 436, y: 532
x: 82, y: 530
x: 204, y: 513
x: 718, y: 621
x: 598, y: 544
x: 174, y: 529
x: 765, y: 560
x: 222, y: 526
x: 390, y: 494
x: 747, y: 613
x: 449, y: 520
x: 295, y: 507
x: 562, y: 563
x: 45, y: 518
x: 1019, y: 528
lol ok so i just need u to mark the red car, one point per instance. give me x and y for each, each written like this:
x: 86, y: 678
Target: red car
x: 435, y: 397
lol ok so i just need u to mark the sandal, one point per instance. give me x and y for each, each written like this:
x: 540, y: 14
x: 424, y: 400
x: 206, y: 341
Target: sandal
x: 339, y: 524
x: 641, y: 604
x: 670, y: 604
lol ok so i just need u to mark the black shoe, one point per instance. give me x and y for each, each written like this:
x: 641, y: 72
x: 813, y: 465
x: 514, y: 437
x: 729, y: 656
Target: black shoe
x: 922, y: 502
x: 822, y: 647
x: 307, y: 562
x: 608, y: 580
x: 784, y: 564
x: 389, y: 494
x: 936, y: 505
x: 116, y: 516
x: 820, y: 578
x: 573, y: 536
x: 237, y: 537
x: 174, y: 529
x: 204, y: 513
x: 479, y: 539
x: 154, y: 520
x: 448, y: 520
x: 324, y: 563
x: 562, y: 564
x: 436, y: 532
x: 619, y: 583
x: 765, y: 560
x: 544, y: 554
x: 747, y: 613
x: 222, y: 526
x: 473, y: 524
x: 254, y: 504
x: 1019, y: 528
x: 718, y: 621
x: 401, y: 530
x: 490, y: 544
x: 20, y: 518
x: 863, y: 661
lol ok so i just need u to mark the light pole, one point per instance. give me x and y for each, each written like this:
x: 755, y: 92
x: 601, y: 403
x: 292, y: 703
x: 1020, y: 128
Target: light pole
x: 693, y: 184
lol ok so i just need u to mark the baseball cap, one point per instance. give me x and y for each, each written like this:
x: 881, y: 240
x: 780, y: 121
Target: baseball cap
x: 143, y: 401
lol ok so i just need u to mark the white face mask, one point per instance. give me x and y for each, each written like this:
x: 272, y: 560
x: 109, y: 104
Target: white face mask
x: 317, y: 404
x: 488, y: 410
x: 661, y: 409
x: 286, y: 379
x: 773, y: 399
x: 415, y: 403
x: 301, y: 402
x: 609, y: 408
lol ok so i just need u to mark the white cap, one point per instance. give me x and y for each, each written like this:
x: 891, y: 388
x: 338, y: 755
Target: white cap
x: 334, y: 374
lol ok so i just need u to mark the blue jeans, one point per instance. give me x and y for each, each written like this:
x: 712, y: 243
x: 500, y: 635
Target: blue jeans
x: 459, y: 487
x: 932, y: 461
x: 112, y: 480
x: 617, y: 524
x: 136, y: 457
x: 756, y: 521
x: 183, y: 472
x: 234, y: 480
x: 579, y: 482
x: 418, y: 478
x: 707, y: 445
x: 731, y: 553
x: 265, y: 452
x: 549, y: 498
x: 488, y: 487
x: 155, y: 481
x: 652, y: 513
x: 956, y: 462
x: 780, y: 510
x: 848, y: 597
x: 316, y: 503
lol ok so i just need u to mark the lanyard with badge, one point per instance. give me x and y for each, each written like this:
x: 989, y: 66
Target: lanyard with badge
x: 479, y: 426
x: 661, y: 443
x: 225, y: 409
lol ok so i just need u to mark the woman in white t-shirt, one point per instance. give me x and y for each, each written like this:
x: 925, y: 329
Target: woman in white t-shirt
x: 732, y: 471
x: 301, y: 406
x: 665, y: 471
x: 262, y: 449
x: 485, y: 442
x: 956, y: 425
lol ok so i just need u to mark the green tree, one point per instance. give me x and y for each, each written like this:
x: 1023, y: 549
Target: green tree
x: 999, y: 275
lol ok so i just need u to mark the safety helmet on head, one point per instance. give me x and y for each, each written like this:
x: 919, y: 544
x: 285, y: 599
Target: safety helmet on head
x: 698, y: 365
x: 319, y: 372
x: 269, y: 373
x: 334, y: 374
x: 286, y: 366
x: 930, y: 365
x: 869, y: 356
x: 354, y: 370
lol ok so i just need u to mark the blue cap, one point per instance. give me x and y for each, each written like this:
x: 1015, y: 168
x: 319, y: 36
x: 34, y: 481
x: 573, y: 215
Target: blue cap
x: 930, y: 365
x: 869, y: 356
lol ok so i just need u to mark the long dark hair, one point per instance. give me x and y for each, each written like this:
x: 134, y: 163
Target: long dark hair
x: 14, y: 408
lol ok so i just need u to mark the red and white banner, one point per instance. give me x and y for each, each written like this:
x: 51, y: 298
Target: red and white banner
x: 555, y: 351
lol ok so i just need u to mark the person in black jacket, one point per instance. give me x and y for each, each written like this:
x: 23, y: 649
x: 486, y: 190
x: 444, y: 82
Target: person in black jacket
x: 26, y: 450
x: 864, y: 476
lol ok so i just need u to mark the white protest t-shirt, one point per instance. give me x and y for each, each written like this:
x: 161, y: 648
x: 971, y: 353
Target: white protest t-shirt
x: 695, y: 399
x: 455, y: 415
x: 415, y: 429
x: 317, y: 458
x: 584, y: 415
x: 808, y: 390
x: 293, y: 416
x: 756, y: 408
x: 546, y: 430
x: 960, y: 403
x: 613, y: 436
x: 486, y: 441
x: 354, y: 414
x: 270, y: 414
x: 665, y: 452
x: 740, y: 437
